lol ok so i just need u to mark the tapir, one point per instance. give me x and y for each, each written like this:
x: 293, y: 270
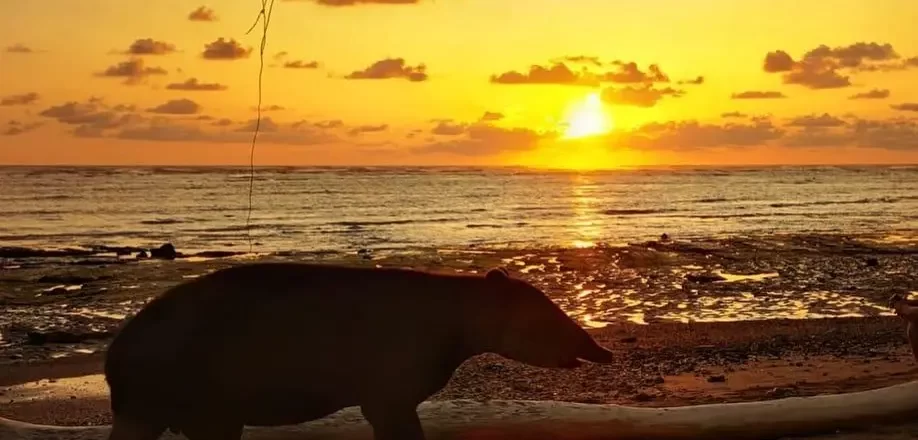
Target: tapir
x: 270, y: 344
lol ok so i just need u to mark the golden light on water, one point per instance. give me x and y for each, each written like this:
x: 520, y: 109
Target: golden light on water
x: 588, y: 118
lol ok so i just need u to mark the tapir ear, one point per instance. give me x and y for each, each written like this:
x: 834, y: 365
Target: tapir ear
x: 497, y: 274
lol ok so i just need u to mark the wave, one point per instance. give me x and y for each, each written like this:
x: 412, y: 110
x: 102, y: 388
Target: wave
x: 880, y: 200
x: 636, y: 211
x: 361, y: 223
x: 162, y: 221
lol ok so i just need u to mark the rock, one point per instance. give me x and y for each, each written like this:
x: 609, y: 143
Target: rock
x: 717, y: 378
x: 494, y: 368
x: 59, y: 290
x: 164, y: 252
x: 142, y: 255
x: 629, y: 339
x: 63, y: 336
x: 704, y: 277
x: 872, y: 262
x: 664, y: 237
x: 642, y: 397
x: 22, y: 252
x: 66, y: 279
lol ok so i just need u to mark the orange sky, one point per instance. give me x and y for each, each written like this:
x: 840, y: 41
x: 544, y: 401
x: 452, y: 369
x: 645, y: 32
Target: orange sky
x: 454, y: 82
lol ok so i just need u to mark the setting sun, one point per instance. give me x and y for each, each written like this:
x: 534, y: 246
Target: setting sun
x: 588, y: 118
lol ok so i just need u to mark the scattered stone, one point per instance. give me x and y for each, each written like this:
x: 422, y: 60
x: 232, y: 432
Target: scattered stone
x: 629, y: 339
x: 164, y: 252
x: 872, y: 262
x: 642, y: 397
x: 495, y: 368
x: 717, y: 378
x: 66, y: 279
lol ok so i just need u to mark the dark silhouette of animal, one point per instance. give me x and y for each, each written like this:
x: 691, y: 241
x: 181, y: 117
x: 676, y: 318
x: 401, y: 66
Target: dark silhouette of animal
x: 272, y: 344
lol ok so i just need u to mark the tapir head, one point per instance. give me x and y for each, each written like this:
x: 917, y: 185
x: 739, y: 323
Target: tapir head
x: 532, y: 329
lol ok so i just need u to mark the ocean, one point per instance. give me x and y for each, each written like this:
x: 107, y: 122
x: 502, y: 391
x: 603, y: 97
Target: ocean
x: 390, y: 208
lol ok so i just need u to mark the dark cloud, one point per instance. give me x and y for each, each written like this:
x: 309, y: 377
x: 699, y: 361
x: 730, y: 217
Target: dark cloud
x: 223, y: 122
x: 906, y: 107
x: 281, y: 55
x: 645, y: 96
x: 558, y: 74
x: 335, y: 123
x: 202, y: 13
x: 391, y: 68
x: 699, y: 80
x: 192, y: 84
x: 222, y: 49
x: 630, y: 73
x: 492, y: 116
x: 14, y: 128
x: 300, y: 64
x: 23, y: 99
x: 149, y: 46
x: 20, y: 48
x: 825, y: 67
x: 755, y: 94
x: 484, y: 139
x: 823, y: 120
x: 177, y: 107
x: 368, y: 129
x: 448, y: 128
x: 734, y: 115
x: 872, y: 94
x: 134, y: 71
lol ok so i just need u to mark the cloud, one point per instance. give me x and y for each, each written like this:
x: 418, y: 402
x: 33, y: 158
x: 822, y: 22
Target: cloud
x: 906, y: 107
x: 391, y: 68
x: 645, y: 96
x: 734, y: 115
x: 149, y: 46
x: 825, y: 67
x: 20, y: 48
x: 202, y: 13
x: 270, y: 108
x: 894, y: 134
x: 367, y: 129
x: 134, y: 71
x: 872, y: 94
x: 177, y: 107
x: 778, y: 61
x: 558, y: 74
x: 363, y: 2
x: 481, y: 139
x: 23, y: 99
x: 630, y: 73
x: 171, y: 130
x: 192, y: 84
x: 755, y: 94
x: 581, y: 59
x: 699, y: 80
x: 93, y: 117
x: 492, y: 116
x: 14, y: 128
x: 448, y: 128
x: 300, y: 64
x: 812, y: 121
x: 222, y: 49
x: 680, y: 135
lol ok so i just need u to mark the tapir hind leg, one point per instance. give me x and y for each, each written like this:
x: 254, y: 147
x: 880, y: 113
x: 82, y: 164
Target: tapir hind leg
x: 124, y: 428
x: 393, y: 422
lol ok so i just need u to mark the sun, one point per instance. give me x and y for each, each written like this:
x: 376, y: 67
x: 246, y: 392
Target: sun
x: 588, y: 118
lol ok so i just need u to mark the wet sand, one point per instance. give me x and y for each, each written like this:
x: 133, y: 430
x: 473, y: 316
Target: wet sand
x: 660, y: 303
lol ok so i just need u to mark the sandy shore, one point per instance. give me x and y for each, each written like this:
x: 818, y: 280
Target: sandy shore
x: 658, y: 303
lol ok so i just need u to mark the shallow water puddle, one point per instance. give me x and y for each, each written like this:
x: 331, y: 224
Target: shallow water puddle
x: 92, y: 386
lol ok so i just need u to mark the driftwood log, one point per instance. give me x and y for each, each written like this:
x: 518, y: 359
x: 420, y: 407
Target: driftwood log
x: 530, y: 420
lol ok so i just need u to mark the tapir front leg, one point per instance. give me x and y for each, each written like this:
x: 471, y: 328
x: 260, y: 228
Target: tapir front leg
x: 393, y: 422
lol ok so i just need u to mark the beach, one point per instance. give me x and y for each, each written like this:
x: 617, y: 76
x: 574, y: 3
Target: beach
x: 692, y: 321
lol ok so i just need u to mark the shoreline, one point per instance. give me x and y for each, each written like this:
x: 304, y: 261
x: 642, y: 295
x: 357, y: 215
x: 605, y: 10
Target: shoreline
x: 660, y: 365
x: 804, y: 315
